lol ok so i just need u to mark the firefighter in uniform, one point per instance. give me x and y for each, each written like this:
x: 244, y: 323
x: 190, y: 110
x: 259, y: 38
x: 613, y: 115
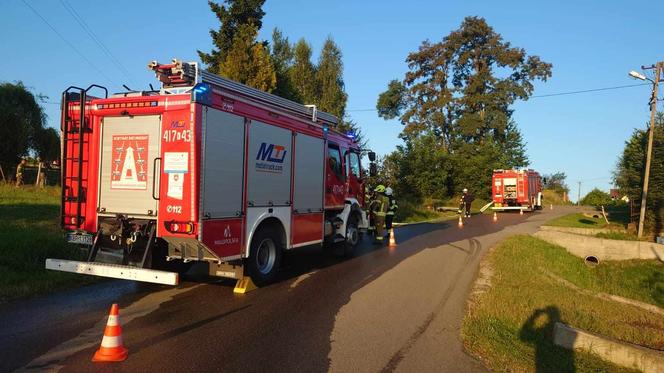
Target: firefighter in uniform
x: 392, y: 209
x: 465, y: 201
x: 379, y: 207
x: 368, y: 199
x: 19, y: 173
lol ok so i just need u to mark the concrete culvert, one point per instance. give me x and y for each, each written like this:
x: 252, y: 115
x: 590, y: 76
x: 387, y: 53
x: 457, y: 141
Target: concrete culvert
x: 591, y: 260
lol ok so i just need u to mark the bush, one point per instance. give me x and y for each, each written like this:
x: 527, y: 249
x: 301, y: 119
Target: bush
x: 597, y: 197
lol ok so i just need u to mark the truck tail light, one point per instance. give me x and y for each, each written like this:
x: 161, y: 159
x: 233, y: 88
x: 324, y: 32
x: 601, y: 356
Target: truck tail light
x: 185, y: 227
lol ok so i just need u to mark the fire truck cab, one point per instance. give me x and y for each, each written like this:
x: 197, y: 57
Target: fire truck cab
x: 204, y: 169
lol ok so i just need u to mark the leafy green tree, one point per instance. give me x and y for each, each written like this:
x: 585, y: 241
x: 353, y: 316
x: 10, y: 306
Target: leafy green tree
x: 282, y: 55
x: 303, y: 73
x: 329, y: 76
x: 512, y: 147
x: 21, y: 120
x: 232, y: 14
x: 248, y: 62
x: 556, y: 181
x: 630, y: 170
x: 391, y: 102
x: 461, y: 88
x: 47, y: 144
x: 596, y: 198
x: 459, y: 91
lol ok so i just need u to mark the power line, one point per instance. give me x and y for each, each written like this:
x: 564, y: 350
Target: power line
x: 559, y: 93
x: 68, y: 43
x: 591, y: 90
x: 81, y: 21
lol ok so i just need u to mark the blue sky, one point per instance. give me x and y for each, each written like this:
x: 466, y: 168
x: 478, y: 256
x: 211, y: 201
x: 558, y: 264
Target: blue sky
x: 591, y: 44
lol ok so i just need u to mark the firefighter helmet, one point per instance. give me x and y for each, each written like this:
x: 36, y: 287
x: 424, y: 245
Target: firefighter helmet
x: 380, y: 189
x: 465, y: 190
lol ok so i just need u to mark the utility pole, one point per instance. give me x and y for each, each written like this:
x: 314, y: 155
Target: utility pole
x: 659, y: 67
x: 578, y: 198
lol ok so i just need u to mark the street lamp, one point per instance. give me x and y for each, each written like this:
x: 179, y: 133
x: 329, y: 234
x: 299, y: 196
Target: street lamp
x: 659, y: 67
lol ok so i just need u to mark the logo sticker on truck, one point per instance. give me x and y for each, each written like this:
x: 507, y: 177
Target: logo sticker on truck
x: 129, y: 166
x: 270, y: 158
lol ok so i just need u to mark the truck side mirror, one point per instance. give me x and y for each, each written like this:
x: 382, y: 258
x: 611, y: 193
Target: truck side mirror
x: 373, y: 169
x: 544, y: 181
x: 372, y: 156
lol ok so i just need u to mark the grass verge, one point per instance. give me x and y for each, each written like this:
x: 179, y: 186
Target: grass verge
x: 29, y: 233
x: 579, y: 220
x: 509, y: 325
x: 411, y: 213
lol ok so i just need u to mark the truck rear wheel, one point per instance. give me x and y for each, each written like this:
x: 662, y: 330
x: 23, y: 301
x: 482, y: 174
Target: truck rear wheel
x: 264, y: 256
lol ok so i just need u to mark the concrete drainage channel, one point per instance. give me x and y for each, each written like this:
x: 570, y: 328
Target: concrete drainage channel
x: 619, y: 353
x: 585, y: 246
x: 580, y: 242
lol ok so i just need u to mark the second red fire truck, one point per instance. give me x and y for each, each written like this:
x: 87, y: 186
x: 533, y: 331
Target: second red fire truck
x: 205, y: 169
x: 516, y: 190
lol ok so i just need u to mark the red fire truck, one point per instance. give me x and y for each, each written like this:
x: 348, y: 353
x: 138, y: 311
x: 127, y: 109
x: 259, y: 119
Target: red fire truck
x: 516, y: 190
x: 205, y: 169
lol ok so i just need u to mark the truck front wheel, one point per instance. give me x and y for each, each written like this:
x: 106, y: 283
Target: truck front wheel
x: 264, y: 256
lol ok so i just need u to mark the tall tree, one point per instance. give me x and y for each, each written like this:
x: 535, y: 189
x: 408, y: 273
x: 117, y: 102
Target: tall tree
x: 557, y: 182
x: 47, y: 144
x: 21, y: 120
x: 513, y: 148
x: 303, y: 73
x: 630, y: 170
x: 282, y: 55
x: 329, y: 76
x: 232, y: 14
x: 249, y: 62
x: 459, y: 91
x: 461, y: 88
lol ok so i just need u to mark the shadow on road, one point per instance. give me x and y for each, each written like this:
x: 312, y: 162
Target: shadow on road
x: 538, y: 330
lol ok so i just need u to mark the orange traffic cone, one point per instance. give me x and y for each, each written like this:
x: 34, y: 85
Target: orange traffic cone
x: 495, y: 216
x: 111, y: 348
x: 460, y: 222
x: 393, y: 241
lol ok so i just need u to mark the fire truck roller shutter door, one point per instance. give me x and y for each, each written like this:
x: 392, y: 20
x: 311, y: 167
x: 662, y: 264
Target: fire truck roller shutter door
x: 269, y: 169
x: 223, y: 164
x: 129, y: 146
x: 309, y: 155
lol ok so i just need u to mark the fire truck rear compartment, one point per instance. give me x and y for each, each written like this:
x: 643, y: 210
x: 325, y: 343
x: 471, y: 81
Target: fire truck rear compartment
x: 129, y: 153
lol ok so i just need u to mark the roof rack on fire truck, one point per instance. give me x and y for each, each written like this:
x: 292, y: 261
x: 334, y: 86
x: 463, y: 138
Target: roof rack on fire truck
x: 181, y: 77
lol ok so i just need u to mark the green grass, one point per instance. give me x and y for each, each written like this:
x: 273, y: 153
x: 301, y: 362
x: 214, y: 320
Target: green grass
x: 411, y: 213
x: 510, y: 325
x: 623, y: 236
x: 29, y: 233
x: 553, y: 198
x: 579, y: 220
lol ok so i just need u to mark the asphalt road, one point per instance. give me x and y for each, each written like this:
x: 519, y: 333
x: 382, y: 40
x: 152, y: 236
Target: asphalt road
x: 383, y: 309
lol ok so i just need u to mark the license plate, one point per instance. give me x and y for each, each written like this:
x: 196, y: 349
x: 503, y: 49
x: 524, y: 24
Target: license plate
x: 79, y: 238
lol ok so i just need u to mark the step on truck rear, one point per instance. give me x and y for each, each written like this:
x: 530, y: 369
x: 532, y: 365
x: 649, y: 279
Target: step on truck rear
x: 203, y: 170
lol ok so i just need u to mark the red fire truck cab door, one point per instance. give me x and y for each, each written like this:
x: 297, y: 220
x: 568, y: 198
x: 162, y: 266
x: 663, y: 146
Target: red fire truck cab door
x: 335, y: 178
x: 353, y: 171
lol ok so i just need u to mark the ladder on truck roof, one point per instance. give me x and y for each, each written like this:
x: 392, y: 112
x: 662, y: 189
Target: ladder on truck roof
x: 75, y: 133
x: 178, y: 75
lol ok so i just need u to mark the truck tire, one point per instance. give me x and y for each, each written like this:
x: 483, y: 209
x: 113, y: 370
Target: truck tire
x: 352, y: 234
x: 264, y: 256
